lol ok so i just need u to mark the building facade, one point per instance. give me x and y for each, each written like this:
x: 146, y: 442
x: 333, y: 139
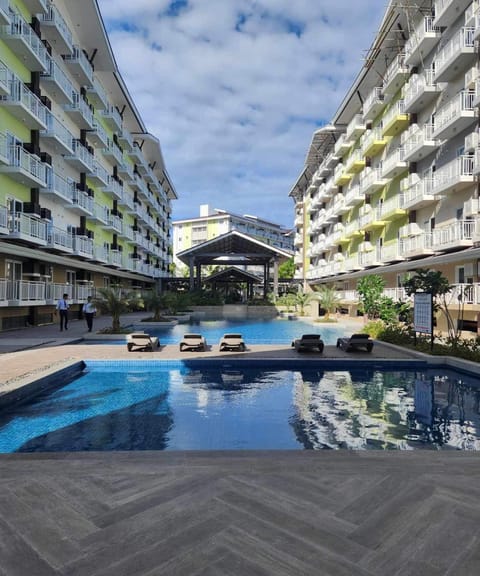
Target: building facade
x: 391, y: 185
x: 213, y: 223
x: 85, y: 198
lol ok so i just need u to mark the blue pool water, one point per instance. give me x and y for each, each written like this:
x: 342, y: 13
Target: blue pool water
x: 203, y: 405
x: 268, y: 331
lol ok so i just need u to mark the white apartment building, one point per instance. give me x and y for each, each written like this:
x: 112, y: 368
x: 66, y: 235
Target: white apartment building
x: 212, y: 223
x: 85, y: 197
x: 391, y: 185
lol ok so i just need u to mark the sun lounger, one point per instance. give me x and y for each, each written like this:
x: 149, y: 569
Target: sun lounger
x: 308, y: 343
x: 193, y: 342
x: 355, y: 342
x: 142, y: 341
x: 232, y: 342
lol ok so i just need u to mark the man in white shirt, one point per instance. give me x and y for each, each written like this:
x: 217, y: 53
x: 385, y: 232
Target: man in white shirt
x: 89, y: 312
x: 62, y: 306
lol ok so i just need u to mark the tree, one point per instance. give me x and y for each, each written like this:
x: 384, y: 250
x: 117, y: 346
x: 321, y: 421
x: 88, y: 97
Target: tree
x: 286, y: 270
x: 153, y: 302
x: 301, y: 300
x: 328, y: 298
x: 113, y: 301
x: 372, y: 301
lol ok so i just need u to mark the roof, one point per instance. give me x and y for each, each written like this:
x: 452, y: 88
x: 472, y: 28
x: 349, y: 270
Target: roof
x: 233, y: 248
x: 233, y: 274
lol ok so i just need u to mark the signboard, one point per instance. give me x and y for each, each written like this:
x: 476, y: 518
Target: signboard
x: 423, y: 313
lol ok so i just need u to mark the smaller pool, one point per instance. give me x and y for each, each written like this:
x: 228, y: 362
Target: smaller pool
x: 270, y: 331
x: 205, y: 405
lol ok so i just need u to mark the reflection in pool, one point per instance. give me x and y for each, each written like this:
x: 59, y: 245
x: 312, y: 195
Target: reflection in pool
x: 217, y: 406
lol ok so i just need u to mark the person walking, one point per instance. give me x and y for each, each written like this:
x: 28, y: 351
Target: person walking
x: 89, y: 312
x: 62, y: 306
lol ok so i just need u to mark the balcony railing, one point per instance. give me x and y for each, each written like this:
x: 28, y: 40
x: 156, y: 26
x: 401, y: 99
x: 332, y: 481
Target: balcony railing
x: 56, y: 76
x: 418, y: 142
x: 373, y: 104
x: 422, y: 40
x: 416, y: 192
x: 459, y: 234
x: 455, y: 174
x: 56, y: 30
x: 60, y: 239
x: 24, y: 291
x: 395, y: 75
x: 416, y: 245
x: 25, y: 105
x: 461, y: 45
x: 447, y: 11
x: 80, y: 111
x: 59, y: 186
x: 57, y: 131
x: 455, y: 115
x: 24, y: 166
x: 80, y: 64
x: 25, y: 43
x: 28, y: 227
x: 420, y: 89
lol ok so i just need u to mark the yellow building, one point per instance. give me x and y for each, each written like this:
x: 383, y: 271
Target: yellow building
x: 391, y: 185
x: 85, y: 198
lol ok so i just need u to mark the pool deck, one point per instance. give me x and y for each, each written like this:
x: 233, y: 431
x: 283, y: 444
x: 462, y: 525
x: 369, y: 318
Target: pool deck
x: 238, y: 513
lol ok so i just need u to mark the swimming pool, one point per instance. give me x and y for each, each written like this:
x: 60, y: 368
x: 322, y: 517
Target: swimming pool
x: 266, y: 331
x: 204, y: 405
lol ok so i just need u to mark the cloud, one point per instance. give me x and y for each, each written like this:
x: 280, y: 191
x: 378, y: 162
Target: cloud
x: 234, y: 89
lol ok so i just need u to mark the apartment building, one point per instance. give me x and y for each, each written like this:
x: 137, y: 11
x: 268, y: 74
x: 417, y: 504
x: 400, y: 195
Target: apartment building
x: 85, y: 198
x: 391, y: 185
x: 215, y: 222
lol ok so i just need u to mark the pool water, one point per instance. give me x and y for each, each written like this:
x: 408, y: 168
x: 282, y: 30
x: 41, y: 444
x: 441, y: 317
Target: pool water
x: 202, y: 405
x: 267, y: 331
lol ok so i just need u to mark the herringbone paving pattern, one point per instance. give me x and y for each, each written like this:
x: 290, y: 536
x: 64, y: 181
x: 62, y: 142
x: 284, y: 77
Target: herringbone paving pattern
x: 240, y: 513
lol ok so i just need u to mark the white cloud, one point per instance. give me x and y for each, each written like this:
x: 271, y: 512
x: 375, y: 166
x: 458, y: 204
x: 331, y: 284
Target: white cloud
x: 235, y: 88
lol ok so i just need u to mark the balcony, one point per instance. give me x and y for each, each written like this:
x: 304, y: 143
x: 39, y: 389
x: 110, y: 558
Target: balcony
x: 113, y: 187
x: 25, y: 293
x: 28, y: 228
x: 395, y: 76
x: 453, y: 176
x: 373, y: 142
x: 115, y: 258
x: 56, y: 30
x: 416, y: 193
x: 355, y: 162
x: 4, y: 220
x: 338, y: 204
x: 395, y: 119
x: 22, y: 103
x: 80, y: 112
x: 417, y: 246
x: 391, y: 209
x: 82, y: 203
x: 100, y: 214
x: 5, y: 79
x: 476, y: 162
x: 447, y: 11
x: 113, y: 153
x: 97, y: 136
x: 79, y: 66
x: 81, y: 158
x: 4, y: 12
x: 61, y: 240
x: 114, y: 224
x: 456, y: 55
x: 125, y: 170
x: 476, y: 98
x: 59, y: 137
x: 418, y: 142
x: 420, y: 90
x: 58, y: 187
x: 125, y: 139
x: 422, y: 41
x: 394, y: 164
x: 97, y: 95
x: 298, y: 222
x: 342, y: 145
x: 341, y: 176
x: 355, y: 128
x: 460, y: 234
x: 373, y: 104
x: 112, y: 118
x: 391, y: 252
x: 58, y: 82
x: 455, y: 116
x: 370, y: 259
x: 330, y: 188
x: 353, y: 196
x: 338, y: 235
x: 20, y: 37
x: 352, y: 229
x: 98, y: 175
x: 372, y: 180
x: 373, y: 219
x: 83, y: 246
x: 23, y: 167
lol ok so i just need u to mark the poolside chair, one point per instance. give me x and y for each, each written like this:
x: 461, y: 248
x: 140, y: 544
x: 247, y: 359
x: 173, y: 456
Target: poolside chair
x: 232, y: 343
x: 355, y: 342
x: 193, y: 342
x: 308, y: 343
x: 142, y: 341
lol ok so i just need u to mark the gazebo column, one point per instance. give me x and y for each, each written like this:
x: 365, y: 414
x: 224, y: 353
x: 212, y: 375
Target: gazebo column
x: 266, y: 271
x: 198, y: 279
x: 275, y: 276
x: 191, y: 265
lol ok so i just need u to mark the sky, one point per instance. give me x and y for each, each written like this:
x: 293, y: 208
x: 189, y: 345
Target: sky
x: 234, y: 89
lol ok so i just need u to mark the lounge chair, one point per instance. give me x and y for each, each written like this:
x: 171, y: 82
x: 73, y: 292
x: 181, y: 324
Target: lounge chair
x: 355, y: 342
x: 193, y: 342
x: 142, y: 341
x: 232, y: 342
x: 308, y: 343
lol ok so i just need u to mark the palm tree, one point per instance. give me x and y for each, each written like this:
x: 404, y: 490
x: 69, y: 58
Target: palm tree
x: 301, y: 300
x: 328, y: 299
x: 154, y: 302
x: 113, y: 301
